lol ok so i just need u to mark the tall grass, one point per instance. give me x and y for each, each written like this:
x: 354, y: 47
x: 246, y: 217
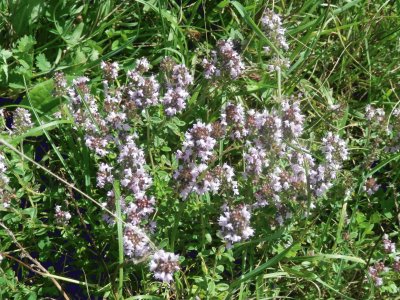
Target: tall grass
x: 344, y: 56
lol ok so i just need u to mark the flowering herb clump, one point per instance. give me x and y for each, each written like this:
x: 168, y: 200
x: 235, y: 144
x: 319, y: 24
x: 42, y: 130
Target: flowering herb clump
x: 199, y: 150
x: 108, y: 131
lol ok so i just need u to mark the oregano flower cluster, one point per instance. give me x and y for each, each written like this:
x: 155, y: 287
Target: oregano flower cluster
x: 108, y: 129
x: 273, y: 161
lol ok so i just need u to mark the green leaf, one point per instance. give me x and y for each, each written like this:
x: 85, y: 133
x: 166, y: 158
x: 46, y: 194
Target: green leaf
x: 208, y: 238
x: 24, y: 64
x: 94, y: 55
x: 5, y: 70
x: 32, y: 296
x: 26, y: 14
x: 117, y: 193
x: 38, y: 131
x: 25, y: 44
x: 16, y: 86
x: 73, y: 39
x: 80, y: 57
x: 260, y: 269
x: 275, y: 275
x: 31, y: 211
x: 5, y: 54
x: 156, y: 120
x: 174, y: 128
x: 223, y: 4
x: 42, y: 244
x: 178, y: 122
x: 144, y: 297
x: 42, y: 63
x: 221, y: 287
x: 329, y: 256
x: 42, y: 98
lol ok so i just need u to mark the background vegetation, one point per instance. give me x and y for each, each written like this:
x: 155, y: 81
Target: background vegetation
x: 342, y: 54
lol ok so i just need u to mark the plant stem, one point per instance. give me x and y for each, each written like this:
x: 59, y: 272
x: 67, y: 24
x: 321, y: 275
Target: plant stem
x: 117, y: 194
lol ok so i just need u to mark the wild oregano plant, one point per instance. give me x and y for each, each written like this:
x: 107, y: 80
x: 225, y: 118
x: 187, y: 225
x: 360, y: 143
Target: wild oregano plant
x: 276, y: 166
x: 165, y: 177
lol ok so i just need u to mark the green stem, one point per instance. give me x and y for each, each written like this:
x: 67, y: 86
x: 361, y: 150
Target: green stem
x: 148, y: 131
x: 203, y: 227
x: 279, y: 84
x: 117, y: 194
x: 176, y: 225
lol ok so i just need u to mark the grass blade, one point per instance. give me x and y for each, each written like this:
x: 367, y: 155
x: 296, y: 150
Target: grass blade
x: 252, y: 274
x: 117, y: 195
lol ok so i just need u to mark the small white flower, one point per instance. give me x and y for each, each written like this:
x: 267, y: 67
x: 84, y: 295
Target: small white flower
x: 110, y: 70
x: 272, y: 25
x: 163, y: 265
x: 235, y: 224
x: 21, y: 121
x: 136, y: 242
x: 225, y: 61
x: 62, y: 217
x: 388, y: 246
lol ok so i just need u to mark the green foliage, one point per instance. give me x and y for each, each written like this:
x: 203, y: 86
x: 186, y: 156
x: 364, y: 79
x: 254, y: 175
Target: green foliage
x: 342, y: 53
